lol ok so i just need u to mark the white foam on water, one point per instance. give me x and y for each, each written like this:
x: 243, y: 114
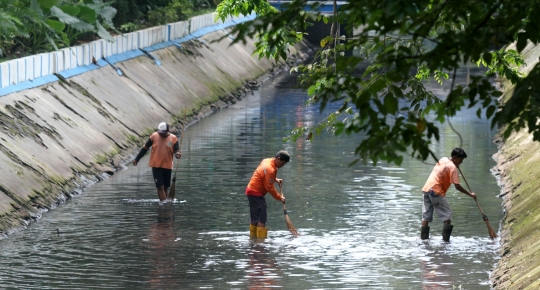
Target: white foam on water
x: 129, y: 200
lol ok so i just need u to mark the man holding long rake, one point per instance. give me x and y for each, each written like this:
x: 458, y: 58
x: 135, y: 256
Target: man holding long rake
x: 164, y: 146
x: 443, y: 175
x: 261, y: 183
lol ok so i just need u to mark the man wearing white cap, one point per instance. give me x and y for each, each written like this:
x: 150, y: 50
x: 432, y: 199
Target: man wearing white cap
x: 164, y: 147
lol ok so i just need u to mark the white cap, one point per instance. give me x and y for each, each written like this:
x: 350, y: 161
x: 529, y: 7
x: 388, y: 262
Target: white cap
x: 163, y: 127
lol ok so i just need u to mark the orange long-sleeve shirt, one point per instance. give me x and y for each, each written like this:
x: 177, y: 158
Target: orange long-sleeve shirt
x: 262, y: 181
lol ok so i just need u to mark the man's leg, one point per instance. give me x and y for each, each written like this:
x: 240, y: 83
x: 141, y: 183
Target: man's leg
x: 159, y: 175
x: 447, y: 231
x: 427, y: 216
x: 445, y: 214
x: 262, y: 231
x: 161, y: 193
x: 257, y: 211
x: 166, y: 181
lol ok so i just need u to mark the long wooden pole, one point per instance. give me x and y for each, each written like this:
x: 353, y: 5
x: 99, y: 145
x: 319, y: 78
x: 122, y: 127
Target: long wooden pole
x: 492, y: 233
x: 172, y: 191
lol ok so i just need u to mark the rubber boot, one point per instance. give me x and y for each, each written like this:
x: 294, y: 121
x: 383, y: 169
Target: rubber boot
x: 262, y: 232
x: 446, y: 231
x: 252, y: 231
x: 424, y: 233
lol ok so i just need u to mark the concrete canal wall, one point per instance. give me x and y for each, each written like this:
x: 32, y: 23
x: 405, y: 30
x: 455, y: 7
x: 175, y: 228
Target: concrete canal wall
x: 518, y: 166
x: 61, y: 136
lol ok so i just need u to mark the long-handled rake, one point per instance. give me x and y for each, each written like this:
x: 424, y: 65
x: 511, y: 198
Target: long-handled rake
x: 292, y: 229
x: 172, y: 191
x: 492, y: 233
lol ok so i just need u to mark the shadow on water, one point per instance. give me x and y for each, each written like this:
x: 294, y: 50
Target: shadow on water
x: 359, y: 225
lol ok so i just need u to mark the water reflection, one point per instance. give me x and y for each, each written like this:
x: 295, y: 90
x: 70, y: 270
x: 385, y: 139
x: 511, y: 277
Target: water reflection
x: 435, y: 269
x: 159, y: 250
x: 263, y: 271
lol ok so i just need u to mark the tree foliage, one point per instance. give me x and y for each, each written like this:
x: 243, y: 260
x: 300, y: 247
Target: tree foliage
x: 39, y: 25
x: 404, y: 43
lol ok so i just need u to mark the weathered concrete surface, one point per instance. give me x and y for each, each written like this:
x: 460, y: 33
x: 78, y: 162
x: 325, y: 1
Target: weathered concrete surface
x: 58, y: 138
x: 518, y: 162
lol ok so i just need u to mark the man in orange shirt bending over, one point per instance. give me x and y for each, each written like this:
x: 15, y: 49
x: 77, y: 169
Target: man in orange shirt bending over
x: 260, y: 184
x: 164, y: 146
x: 443, y: 175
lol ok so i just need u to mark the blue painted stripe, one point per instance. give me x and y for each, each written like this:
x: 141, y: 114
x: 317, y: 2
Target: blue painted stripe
x: 28, y: 85
x: 124, y: 56
x: 325, y: 8
x: 82, y: 69
x: 184, y: 39
x: 158, y: 46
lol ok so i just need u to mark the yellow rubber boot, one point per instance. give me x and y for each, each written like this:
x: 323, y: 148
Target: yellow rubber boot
x: 252, y: 230
x: 262, y: 232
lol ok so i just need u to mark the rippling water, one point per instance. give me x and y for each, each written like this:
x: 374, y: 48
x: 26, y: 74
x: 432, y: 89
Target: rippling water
x: 359, y: 225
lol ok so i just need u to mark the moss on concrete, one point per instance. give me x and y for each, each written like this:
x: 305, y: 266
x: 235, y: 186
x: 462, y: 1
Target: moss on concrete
x: 518, y: 165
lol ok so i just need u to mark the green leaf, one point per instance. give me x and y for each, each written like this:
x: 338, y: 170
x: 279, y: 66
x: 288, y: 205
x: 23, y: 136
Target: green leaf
x: 391, y: 103
x: 103, y: 33
x: 107, y: 13
x: 377, y: 86
x: 325, y: 20
x: 521, y: 42
x: 87, y: 14
x: 47, y: 4
x: 311, y: 90
x: 56, y: 25
x: 487, y: 58
x: 490, y: 110
x: 83, y: 26
x: 62, y: 16
x: 71, y: 10
x: 324, y: 41
x: 34, y: 5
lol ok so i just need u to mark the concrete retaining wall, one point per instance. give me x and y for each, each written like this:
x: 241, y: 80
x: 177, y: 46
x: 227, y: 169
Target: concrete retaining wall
x: 59, y: 137
x: 517, y: 167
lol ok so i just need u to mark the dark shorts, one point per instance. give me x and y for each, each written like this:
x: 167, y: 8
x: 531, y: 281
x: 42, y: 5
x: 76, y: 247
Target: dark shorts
x: 257, y: 209
x: 162, y: 177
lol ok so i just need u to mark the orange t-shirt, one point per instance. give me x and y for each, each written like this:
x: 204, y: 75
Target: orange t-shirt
x: 162, y: 151
x: 262, y: 181
x: 443, y: 175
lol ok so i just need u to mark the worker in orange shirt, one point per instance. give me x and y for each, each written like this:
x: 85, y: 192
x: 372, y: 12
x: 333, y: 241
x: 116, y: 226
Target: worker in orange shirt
x: 261, y: 183
x: 164, y: 147
x: 443, y: 175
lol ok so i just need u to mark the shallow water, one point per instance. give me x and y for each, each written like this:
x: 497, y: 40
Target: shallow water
x: 359, y: 225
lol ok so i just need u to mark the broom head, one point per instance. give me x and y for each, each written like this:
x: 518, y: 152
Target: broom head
x: 492, y: 233
x: 172, y: 191
x: 291, y: 227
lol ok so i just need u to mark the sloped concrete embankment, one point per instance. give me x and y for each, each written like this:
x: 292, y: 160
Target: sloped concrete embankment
x: 518, y: 165
x: 59, y: 138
